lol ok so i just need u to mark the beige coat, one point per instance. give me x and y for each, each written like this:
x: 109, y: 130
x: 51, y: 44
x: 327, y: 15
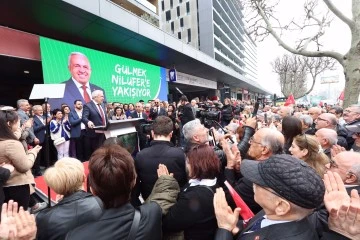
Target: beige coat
x: 12, y: 152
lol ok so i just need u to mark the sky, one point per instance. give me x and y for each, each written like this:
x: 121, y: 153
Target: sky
x: 337, y: 37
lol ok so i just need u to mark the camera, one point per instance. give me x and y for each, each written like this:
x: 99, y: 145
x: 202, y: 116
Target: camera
x: 207, y: 114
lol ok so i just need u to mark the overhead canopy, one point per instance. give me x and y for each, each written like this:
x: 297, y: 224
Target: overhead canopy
x: 105, y: 26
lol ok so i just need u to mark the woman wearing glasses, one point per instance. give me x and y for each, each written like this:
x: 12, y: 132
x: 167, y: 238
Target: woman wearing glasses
x: 307, y: 148
x: 17, y: 187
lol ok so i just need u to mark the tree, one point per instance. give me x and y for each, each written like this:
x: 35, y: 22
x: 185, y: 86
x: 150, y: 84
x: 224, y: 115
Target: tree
x: 293, y: 72
x: 262, y: 21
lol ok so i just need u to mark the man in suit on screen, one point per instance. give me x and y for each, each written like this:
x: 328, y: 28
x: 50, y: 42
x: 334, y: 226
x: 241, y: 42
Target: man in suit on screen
x: 78, y: 86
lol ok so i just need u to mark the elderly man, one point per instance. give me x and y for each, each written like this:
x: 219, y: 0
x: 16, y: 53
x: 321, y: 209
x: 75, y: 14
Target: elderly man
x: 285, y: 111
x: 347, y: 165
x: 306, y: 122
x: 351, y: 117
x: 94, y: 115
x: 286, y: 203
x: 314, y: 113
x: 265, y: 143
x: 328, y: 120
x: 327, y: 138
x: 23, y: 112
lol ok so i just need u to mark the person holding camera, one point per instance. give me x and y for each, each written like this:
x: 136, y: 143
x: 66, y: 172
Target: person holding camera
x: 226, y: 113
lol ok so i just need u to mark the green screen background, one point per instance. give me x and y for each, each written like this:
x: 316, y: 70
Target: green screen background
x: 55, y: 56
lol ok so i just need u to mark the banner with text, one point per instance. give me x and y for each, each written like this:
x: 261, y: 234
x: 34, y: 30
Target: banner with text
x: 122, y: 79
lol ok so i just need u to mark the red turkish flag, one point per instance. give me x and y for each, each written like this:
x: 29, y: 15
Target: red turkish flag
x: 342, y: 96
x: 245, y: 212
x: 290, y: 100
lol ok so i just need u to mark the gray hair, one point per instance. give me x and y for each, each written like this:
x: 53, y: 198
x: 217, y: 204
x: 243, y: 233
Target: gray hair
x: 36, y: 107
x: 357, y: 106
x: 189, y: 129
x: 21, y: 101
x: 96, y: 93
x: 355, y: 169
x: 76, y: 53
x: 306, y: 119
x: 274, y: 140
x: 329, y: 134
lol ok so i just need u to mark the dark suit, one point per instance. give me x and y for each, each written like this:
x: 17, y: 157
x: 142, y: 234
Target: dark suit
x: 39, y: 129
x: 40, y: 132
x: 154, y: 114
x: 91, y: 113
x: 71, y: 94
x: 78, y: 137
x: 295, y: 230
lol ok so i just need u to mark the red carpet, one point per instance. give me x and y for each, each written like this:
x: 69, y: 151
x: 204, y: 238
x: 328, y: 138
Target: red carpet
x: 42, y: 188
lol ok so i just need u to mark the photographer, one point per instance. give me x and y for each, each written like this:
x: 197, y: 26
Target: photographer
x: 186, y: 115
x: 226, y: 113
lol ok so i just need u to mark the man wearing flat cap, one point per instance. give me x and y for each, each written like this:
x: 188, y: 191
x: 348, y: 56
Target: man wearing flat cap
x: 287, y: 189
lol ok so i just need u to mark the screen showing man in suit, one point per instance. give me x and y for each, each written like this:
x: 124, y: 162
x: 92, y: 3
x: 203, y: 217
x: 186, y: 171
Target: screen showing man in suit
x: 85, y: 70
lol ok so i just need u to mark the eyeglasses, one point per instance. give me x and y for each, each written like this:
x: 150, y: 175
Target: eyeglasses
x: 333, y: 164
x: 251, y: 140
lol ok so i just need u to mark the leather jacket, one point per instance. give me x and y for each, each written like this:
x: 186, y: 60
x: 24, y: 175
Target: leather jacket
x: 72, y: 211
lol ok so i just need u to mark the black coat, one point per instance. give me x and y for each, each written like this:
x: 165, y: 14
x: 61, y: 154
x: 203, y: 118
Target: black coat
x: 147, y: 162
x: 73, y: 211
x: 296, y: 230
x: 186, y: 114
x: 227, y: 113
x: 115, y: 223
x: 4, y: 176
x: 193, y: 213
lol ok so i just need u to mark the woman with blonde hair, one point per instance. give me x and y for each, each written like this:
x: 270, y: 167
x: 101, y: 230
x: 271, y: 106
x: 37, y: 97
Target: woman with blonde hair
x: 76, y: 207
x: 307, y: 148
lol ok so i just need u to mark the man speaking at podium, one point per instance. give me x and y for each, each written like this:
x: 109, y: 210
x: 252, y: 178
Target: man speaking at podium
x: 78, y: 86
x: 94, y: 116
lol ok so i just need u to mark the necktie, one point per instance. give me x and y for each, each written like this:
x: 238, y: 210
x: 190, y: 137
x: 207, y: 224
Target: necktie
x: 139, y: 115
x: 86, y: 95
x: 102, y: 115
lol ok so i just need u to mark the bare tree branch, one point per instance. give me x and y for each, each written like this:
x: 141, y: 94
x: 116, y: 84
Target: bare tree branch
x: 336, y: 55
x: 339, y: 14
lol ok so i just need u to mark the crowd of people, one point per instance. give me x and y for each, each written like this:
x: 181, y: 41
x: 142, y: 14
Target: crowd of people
x: 297, y: 168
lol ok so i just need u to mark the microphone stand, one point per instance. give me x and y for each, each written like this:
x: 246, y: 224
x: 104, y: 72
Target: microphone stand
x: 47, y: 145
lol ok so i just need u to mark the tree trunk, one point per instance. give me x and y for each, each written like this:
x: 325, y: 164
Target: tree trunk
x: 352, y: 60
x: 352, y: 71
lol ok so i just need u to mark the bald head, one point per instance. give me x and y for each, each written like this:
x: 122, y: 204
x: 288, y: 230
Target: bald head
x: 347, y: 166
x: 326, y: 120
x: 326, y: 137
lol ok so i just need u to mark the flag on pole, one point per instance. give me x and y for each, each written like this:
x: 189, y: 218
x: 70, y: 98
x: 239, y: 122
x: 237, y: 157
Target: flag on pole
x: 245, y: 211
x: 290, y: 100
x: 342, y: 96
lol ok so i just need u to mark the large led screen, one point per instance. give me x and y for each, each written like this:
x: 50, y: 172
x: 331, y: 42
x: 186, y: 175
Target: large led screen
x: 122, y: 79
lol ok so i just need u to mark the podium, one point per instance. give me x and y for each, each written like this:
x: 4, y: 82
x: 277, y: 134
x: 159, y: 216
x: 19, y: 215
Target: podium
x: 117, y: 128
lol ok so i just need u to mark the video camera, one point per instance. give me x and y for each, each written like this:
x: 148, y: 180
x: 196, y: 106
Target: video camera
x: 207, y: 114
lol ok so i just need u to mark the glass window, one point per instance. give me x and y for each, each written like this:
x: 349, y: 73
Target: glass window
x: 181, y: 22
x: 188, y: 7
x: 162, y: 5
x: 171, y: 3
x: 178, y: 11
x: 179, y: 35
x: 168, y: 15
x: 189, y: 34
x: 172, y: 27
